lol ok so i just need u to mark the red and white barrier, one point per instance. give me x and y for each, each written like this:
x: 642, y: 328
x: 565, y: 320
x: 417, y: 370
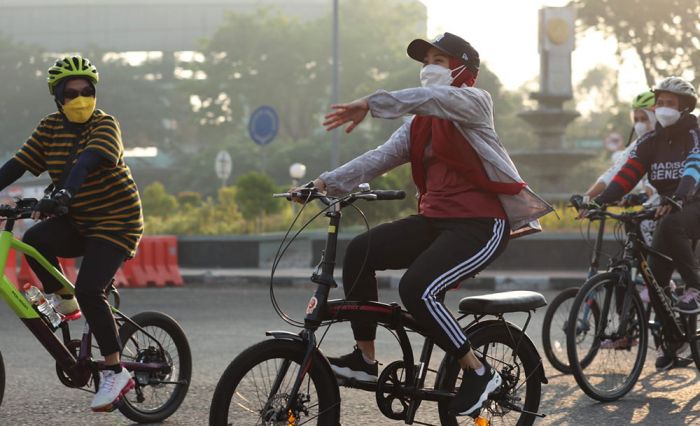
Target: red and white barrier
x: 155, y: 264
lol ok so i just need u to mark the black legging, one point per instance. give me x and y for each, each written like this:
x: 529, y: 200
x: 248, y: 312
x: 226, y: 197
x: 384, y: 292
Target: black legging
x: 672, y: 237
x: 438, y: 253
x: 58, y: 237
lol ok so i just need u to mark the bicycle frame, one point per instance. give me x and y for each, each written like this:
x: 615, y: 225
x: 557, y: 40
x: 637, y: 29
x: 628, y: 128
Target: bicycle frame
x: 78, y: 370
x: 636, y: 253
x: 320, y: 310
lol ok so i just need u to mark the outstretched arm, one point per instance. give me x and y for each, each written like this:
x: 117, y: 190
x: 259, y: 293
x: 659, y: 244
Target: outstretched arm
x: 369, y: 165
x: 352, y: 112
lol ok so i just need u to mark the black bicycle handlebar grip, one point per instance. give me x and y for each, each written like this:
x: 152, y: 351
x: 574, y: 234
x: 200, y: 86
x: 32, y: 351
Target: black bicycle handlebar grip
x: 389, y: 195
x: 576, y: 201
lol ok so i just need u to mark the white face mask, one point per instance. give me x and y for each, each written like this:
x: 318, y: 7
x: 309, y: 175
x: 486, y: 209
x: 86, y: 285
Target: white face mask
x: 641, y: 128
x: 436, y: 75
x: 667, y: 116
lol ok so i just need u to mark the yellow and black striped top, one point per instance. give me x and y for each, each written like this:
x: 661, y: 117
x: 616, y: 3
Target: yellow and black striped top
x: 107, y: 205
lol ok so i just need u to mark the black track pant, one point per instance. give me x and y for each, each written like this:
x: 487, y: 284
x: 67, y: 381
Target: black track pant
x: 437, y: 254
x: 672, y: 237
x: 58, y: 237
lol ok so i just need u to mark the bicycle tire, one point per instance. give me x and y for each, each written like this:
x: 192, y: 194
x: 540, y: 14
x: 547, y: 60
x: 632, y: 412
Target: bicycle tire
x: 596, y: 385
x: 2, y: 378
x: 528, y: 369
x: 558, y: 357
x: 235, y: 381
x: 694, y: 342
x: 560, y: 364
x: 139, y: 347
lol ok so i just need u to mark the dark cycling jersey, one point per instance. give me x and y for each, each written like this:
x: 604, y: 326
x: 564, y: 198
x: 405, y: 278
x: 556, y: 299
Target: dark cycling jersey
x: 671, y: 158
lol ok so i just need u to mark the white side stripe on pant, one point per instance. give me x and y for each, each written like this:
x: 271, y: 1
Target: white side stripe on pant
x: 437, y: 309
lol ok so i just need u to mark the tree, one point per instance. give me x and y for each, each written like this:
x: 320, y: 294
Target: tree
x: 157, y: 202
x: 24, y: 94
x: 254, y: 195
x: 142, y: 97
x: 665, y: 34
x: 286, y: 64
x: 268, y: 58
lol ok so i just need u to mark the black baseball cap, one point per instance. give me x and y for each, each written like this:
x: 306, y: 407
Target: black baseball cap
x: 449, y: 43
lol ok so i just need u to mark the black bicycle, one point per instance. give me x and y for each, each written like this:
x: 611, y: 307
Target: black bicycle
x: 288, y: 381
x: 620, y: 338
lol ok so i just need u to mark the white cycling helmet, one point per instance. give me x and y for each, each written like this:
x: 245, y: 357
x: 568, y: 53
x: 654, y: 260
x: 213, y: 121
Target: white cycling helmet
x: 680, y: 87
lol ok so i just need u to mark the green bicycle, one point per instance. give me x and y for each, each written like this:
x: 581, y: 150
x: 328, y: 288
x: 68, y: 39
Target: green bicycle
x: 155, y: 348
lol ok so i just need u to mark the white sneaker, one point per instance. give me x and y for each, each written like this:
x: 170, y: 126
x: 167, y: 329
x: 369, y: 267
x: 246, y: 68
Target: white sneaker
x: 113, y: 386
x: 69, y: 308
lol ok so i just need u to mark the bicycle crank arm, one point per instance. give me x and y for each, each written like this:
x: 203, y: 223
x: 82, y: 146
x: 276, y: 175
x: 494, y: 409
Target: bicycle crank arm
x: 520, y: 410
x: 164, y: 382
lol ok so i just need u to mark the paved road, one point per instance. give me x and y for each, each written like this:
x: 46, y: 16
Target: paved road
x: 221, y: 320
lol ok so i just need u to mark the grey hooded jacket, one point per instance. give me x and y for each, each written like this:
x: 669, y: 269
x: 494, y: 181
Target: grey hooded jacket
x: 471, y: 109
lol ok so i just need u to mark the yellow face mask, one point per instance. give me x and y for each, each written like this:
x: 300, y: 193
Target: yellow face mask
x: 80, y: 109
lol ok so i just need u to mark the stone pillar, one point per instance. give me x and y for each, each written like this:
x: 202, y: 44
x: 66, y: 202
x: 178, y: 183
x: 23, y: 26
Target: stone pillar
x: 546, y: 167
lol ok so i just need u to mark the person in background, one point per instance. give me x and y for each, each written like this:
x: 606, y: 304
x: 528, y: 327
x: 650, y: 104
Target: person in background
x: 644, y: 122
x: 670, y: 155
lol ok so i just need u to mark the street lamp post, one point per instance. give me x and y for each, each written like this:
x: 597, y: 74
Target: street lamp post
x: 297, y: 171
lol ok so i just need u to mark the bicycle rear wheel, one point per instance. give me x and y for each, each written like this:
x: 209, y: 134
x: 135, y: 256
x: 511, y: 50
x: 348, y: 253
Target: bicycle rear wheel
x: 692, y: 324
x: 158, y: 394
x: 554, y: 328
x: 2, y: 378
x: 254, y: 389
x: 509, y: 352
x: 619, y: 342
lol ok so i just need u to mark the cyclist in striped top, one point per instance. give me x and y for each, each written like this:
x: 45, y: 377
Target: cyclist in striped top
x: 91, y: 209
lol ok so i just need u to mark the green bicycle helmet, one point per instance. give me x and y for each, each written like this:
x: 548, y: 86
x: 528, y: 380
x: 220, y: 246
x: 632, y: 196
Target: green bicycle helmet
x: 644, y: 100
x: 71, y: 66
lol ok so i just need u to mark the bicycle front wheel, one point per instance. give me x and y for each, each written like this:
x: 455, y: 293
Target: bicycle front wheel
x: 619, y: 341
x: 554, y: 328
x: 255, y: 389
x: 509, y: 352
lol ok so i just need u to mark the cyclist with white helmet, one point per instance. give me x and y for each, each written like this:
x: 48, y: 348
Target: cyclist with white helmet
x: 670, y: 155
x: 92, y: 209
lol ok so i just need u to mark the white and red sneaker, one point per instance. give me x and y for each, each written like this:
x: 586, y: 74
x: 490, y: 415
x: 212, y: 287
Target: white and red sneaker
x: 68, y: 308
x: 113, y: 387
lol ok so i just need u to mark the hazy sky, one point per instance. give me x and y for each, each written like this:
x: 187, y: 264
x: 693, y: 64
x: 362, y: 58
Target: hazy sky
x: 505, y: 34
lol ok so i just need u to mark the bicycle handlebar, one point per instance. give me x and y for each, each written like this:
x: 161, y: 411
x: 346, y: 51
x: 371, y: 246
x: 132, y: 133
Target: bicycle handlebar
x: 22, y: 209
x: 599, y: 212
x: 308, y: 194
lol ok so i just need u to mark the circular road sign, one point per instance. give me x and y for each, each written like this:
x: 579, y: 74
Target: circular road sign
x: 263, y: 125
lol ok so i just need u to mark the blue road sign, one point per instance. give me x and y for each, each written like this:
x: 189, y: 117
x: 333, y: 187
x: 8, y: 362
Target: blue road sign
x: 263, y: 125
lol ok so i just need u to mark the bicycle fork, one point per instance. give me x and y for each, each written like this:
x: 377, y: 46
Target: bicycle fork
x: 310, y: 340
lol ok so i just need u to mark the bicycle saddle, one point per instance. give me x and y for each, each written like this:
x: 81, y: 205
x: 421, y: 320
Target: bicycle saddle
x: 507, y: 301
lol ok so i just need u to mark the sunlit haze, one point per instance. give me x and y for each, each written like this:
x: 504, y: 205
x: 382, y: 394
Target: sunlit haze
x: 505, y: 33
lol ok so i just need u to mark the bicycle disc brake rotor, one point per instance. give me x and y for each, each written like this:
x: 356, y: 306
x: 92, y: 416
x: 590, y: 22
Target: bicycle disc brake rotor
x: 504, y: 400
x: 273, y: 414
x: 156, y: 356
x: 391, y: 398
